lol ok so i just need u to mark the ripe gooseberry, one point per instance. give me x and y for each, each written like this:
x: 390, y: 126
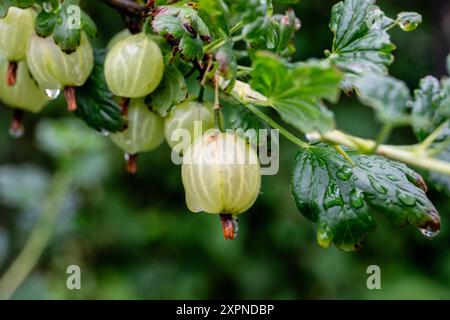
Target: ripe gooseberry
x: 184, y: 116
x: 25, y: 95
x: 54, y: 69
x: 144, y: 132
x: 134, y: 66
x: 221, y: 175
x: 15, y: 30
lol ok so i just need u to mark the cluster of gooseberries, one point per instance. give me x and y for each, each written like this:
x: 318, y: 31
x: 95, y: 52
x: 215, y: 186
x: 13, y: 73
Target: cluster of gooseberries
x: 35, y: 69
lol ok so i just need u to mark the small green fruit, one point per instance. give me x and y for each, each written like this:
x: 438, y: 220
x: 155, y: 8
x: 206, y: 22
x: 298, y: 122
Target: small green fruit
x: 144, y: 132
x: 117, y: 38
x: 25, y: 94
x: 15, y: 31
x: 184, y: 116
x: 221, y: 174
x: 55, y: 69
x: 134, y: 67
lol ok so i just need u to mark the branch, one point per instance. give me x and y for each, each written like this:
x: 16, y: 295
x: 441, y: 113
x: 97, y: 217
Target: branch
x: 128, y: 6
x: 406, y: 155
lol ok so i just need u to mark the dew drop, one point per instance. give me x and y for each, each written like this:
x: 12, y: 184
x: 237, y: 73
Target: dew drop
x: 406, y: 199
x: 52, y: 94
x: 392, y: 177
x: 332, y: 196
x: 17, y: 132
x: 324, y: 238
x: 356, y: 199
x: 235, y: 226
x: 47, y: 6
x: 105, y: 132
x: 429, y: 233
x: 344, y: 173
x: 377, y: 186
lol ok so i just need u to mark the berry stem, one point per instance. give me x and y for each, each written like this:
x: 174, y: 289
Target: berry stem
x: 70, y: 94
x: 11, y: 74
x: 17, y: 128
x: 229, y: 226
x: 131, y: 163
x: 124, y: 105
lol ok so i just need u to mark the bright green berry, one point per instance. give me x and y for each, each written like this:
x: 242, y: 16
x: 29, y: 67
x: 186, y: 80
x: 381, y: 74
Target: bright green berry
x: 55, y: 69
x: 184, y: 116
x: 15, y: 31
x: 221, y: 174
x: 25, y: 94
x: 125, y: 33
x: 144, y: 132
x: 134, y: 66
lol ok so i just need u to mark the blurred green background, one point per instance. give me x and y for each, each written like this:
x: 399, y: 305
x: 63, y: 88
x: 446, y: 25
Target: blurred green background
x: 134, y: 238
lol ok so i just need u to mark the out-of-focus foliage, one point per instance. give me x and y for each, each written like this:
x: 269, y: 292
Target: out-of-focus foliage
x: 133, y: 237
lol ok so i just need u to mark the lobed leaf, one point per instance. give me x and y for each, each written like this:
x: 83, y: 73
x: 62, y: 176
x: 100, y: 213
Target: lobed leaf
x: 296, y: 90
x: 387, y: 95
x: 430, y: 107
x: 341, y: 199
x: 182, y: 23
x: 361, y: 42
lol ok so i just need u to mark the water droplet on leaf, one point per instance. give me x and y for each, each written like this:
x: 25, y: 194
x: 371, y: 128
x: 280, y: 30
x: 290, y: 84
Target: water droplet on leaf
x: 324, y: 238
x: 406, y: 199
x: 344, y: 173
x: 332, y: 196
x: 377, y: 186
x: 356, y: 199
x: 429, y: 233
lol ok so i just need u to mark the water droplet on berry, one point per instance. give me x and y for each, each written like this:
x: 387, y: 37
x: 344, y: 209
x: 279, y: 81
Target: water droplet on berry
x: 17, y: 132
x: 52, y: 94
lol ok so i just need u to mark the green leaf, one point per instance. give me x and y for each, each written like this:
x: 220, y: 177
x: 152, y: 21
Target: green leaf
x: 182, y: 23
x: 5, y: 4
x: 45, y: 23
x: 409, y: 21
x: 296, y: 90
x: 227, y: 63
x: 361, y: 42
x: 239, y: 118
x: 341, y: 199
x: 387, y: 95
x: 441, y: 182
x: 215, y: 14
x: 62, y: 24
x: 96, y: 105
x: 273, y: 33
x: 430, y: 107
x: 171, y: 91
